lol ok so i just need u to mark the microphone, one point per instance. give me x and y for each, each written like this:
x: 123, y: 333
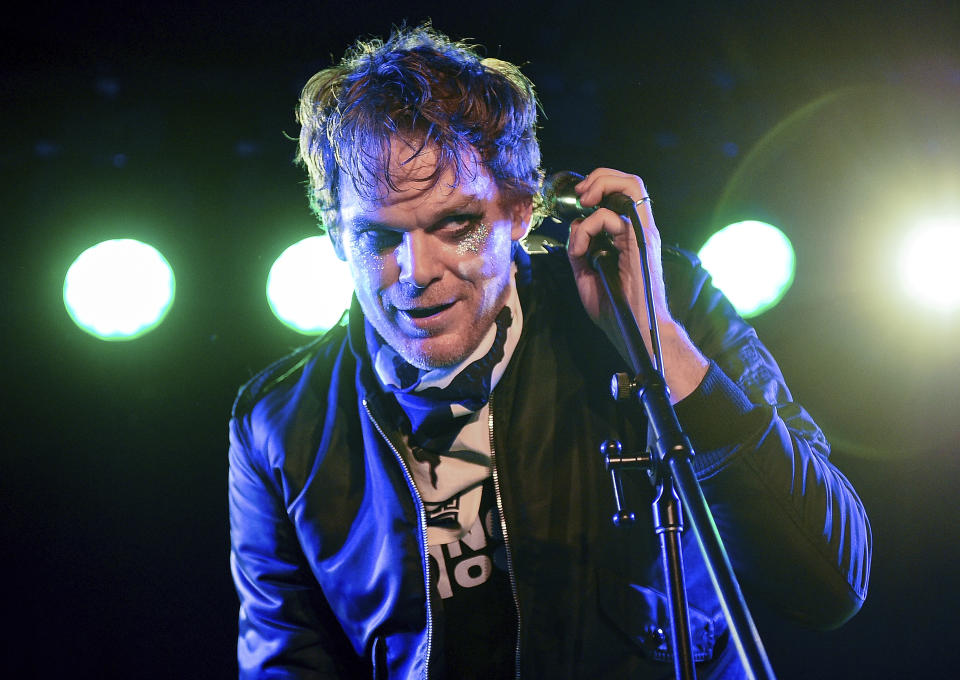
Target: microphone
x: 563, y: 204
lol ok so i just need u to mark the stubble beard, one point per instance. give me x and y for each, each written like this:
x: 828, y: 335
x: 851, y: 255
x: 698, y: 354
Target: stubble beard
x: 417, y: 352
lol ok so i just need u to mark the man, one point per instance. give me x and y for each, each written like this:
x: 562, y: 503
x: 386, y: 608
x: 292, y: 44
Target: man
x: 419, y: 493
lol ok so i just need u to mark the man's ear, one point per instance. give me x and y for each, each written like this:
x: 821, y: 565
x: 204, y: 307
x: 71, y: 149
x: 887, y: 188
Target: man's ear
x: 521, y: 214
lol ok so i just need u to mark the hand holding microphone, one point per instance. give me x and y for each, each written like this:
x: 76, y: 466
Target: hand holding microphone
x: 596, y: 204
x: 563, y: 200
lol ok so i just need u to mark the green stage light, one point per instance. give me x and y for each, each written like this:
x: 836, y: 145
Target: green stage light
x: 928, y: 266
x: 752, y: 262
x: 119, y: 289
x: 309, y: 287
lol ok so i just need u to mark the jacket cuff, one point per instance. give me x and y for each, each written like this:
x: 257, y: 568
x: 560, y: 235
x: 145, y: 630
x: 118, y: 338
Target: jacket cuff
x: 715, y: 417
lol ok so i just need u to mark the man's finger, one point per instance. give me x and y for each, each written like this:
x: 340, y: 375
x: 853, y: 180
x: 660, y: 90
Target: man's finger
x: 603, y: 182
x: 581, y: 231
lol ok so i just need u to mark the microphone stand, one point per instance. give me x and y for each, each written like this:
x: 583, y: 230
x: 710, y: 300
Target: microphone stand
x: 678, y: 492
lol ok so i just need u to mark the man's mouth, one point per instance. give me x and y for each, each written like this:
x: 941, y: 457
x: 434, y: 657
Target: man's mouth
x: 424, y: 312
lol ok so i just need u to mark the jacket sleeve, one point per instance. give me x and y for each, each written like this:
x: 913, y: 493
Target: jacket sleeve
x: 286, y: 628
x: 793, y: 526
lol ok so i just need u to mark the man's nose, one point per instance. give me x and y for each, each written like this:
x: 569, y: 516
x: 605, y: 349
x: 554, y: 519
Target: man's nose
x: 418, y: 260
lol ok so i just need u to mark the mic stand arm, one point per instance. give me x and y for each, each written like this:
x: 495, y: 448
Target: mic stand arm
x: 673, y: 475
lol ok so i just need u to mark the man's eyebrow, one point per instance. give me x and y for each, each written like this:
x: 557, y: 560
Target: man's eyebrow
x: 469, y: 204
x: 360, y: 222
x: 466, y: 203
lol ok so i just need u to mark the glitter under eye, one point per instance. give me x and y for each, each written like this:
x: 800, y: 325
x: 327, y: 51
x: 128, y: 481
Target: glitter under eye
x: 473, y: 241
x: 369, y: 252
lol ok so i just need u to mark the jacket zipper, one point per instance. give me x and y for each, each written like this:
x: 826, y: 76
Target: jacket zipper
x: 422, y: 515
x: 503, y: 528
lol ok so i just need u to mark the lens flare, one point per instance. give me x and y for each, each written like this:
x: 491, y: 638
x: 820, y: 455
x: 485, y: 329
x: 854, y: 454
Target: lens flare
x: 752, y: 262
x: 309, y: 287
x: 119, y: 289
x: 928, y: 264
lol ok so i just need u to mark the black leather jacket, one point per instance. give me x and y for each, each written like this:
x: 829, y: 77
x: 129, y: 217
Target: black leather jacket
x: 329, y: 552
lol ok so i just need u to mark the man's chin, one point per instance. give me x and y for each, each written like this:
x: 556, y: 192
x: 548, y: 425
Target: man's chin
x: 431, y: 353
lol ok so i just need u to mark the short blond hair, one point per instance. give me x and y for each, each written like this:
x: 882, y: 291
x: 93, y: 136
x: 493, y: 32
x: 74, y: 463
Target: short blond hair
x: 429, y: 91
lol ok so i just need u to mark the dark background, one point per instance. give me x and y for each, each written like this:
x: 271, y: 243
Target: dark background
x: 839, y: 122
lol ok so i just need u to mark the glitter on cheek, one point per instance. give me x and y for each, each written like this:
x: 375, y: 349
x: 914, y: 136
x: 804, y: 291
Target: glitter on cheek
x: 366, y: 256
x: 374, y: 262
x: 474, y: 241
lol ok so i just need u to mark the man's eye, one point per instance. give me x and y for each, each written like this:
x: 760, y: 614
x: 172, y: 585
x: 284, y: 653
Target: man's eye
x: 380, y: 239
x: 461, y: 225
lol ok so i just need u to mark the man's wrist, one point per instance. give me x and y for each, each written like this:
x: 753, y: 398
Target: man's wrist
x: 684, y: 366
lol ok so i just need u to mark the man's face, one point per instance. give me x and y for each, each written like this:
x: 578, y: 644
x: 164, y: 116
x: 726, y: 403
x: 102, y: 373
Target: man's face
x: 431, y: 266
